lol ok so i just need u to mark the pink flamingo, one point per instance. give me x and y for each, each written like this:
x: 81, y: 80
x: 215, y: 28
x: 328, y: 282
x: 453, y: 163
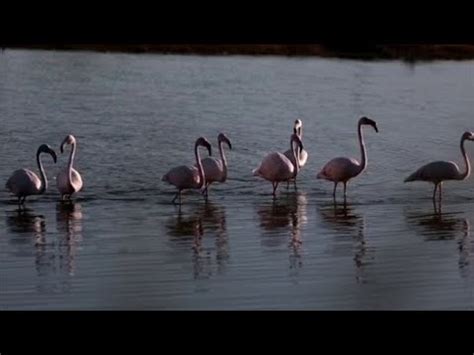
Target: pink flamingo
x: 302, y: 155
x: 216, y: 169
x: 438, y: 171
x: 185, y: 177
x: 24, y: 182
x: 276, y: 167
x: 343, y: 169
x: 69, y: 180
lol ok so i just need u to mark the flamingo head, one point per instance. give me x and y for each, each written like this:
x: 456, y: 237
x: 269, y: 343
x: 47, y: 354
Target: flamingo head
x: 223, y: 138
x: 367, y: 121
x: 70, y: 139
x: 468, y: 135
x: 44, y: 148
x: 201, y: 141
x: 298, y: 126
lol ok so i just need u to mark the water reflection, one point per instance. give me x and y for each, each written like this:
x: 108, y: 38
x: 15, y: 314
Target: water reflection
x: 342, y: 219
x: 28, y: 230
x: 287, y: 213
x: 69, y: 225
x: 189, y: 229
x: 439, y: 225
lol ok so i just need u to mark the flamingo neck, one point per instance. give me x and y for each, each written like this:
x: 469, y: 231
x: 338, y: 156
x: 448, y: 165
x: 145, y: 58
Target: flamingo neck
x: 363, y: 152
x: 44, y: 180
x: 295, y: 156
x: 71, y: 162
x: 467, y: 172
x: 202, y: 181
x: 224, y: 160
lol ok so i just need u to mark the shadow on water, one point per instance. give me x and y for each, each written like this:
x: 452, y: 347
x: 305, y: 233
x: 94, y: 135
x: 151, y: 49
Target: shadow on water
x: 444, y: 226
x: 345, y: 222
x: 188, y: 229
x: 283, y: 218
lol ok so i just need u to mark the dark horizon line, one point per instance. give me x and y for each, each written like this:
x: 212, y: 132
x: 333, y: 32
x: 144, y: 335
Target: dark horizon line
x: 409, y: 52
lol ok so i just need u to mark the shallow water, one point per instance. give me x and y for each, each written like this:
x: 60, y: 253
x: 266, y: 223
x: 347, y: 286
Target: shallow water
x: 123, y: 245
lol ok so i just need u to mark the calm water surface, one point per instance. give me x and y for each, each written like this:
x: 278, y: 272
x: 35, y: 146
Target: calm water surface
x: 122, y: 245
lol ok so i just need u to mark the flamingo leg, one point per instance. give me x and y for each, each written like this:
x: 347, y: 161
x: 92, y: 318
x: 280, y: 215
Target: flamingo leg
x: 275, y: 185
x: 440, y: 190
x: 334, y: 191
x: 176, y: 196
x: 345, y: 187
x: 294, y: 184
x: 287, y: 184
x: 434, y: 192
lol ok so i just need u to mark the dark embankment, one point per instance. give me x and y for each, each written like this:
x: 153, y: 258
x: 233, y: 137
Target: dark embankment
x: 408, y: 52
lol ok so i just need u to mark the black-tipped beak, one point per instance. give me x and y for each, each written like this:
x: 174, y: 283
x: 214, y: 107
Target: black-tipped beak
x: 209, y: 148
x: 61, y: 149
x: 376, y: 129
x: 53, y: 154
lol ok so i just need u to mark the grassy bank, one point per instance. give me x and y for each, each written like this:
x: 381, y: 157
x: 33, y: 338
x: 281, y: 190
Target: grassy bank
x: 409, y: 52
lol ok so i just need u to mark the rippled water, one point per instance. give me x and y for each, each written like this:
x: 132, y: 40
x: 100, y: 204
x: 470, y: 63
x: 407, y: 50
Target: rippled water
x: 122, y: 245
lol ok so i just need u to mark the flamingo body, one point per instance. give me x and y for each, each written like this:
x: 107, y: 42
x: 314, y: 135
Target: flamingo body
x: 275, y: 167
x: 215, y: 169
x: 69, y: 181
x: 23, y: 182
x: 436, y: 172
x: 188, y: 177
x: 67, y: 187
x: 183, y: 177
x: 340, y: 169
x: 343, y: 169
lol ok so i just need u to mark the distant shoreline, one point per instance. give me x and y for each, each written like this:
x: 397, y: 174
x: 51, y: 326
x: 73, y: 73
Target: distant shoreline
x: 407, y: 52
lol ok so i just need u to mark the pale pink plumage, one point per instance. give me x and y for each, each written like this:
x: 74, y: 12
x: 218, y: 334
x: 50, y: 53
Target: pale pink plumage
x: 24, y: 182
x: 343, y: 169
x: 215, y: 169
x: 438, y: 171
x: 68, y: 180
x: 185, y: 177
x: 276, y: 167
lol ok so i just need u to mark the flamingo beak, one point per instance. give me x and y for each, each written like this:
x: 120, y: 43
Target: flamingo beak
x: 53, y: 154
x: 375, y: 127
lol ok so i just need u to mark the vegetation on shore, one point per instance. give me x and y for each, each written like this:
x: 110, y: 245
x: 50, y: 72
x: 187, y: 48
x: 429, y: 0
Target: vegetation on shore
x: 408, y: 52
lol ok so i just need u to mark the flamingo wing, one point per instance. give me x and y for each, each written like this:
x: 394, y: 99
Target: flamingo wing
x: 23, y: 182
x: 436, y: 171
x: 339, y: 169
x: 275, y: 167
x: 183, y: 177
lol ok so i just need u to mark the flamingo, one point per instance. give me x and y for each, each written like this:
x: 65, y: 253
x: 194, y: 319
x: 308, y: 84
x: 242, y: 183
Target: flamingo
x: 24, y: 182
x: 343, y: 169
x: 185, y: 177
x: 69, y: 180
x: 302, y: 155
x: 276, y: 167
x: 216, y: 169
x: 438, y: 171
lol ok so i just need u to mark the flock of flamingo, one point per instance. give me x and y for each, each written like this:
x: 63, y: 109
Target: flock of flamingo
x: 275, y: 167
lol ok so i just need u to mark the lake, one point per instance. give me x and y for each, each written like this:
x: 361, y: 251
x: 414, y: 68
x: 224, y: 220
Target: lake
x: 121, y: 244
